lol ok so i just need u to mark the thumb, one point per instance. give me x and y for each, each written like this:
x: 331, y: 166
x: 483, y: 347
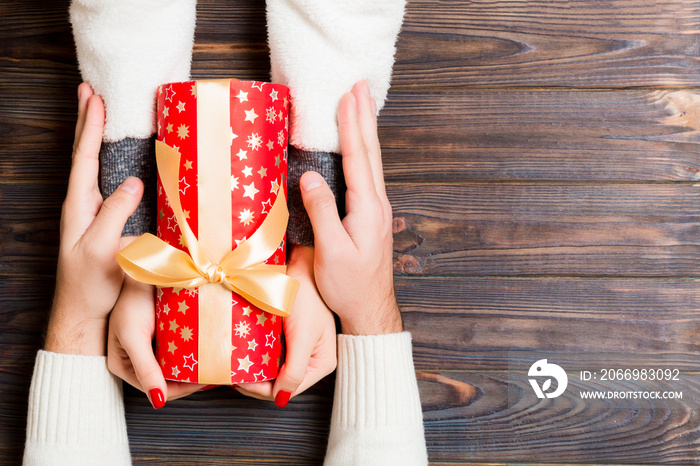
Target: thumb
x: 116, y: 210
x: 292, y: 372
x: 321, y: 208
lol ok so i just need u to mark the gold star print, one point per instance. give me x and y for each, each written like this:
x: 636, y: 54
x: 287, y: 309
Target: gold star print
x: 186, y: 333
x: 278, y: 160
x: 162, y: 326
x: 171, y: 347
x: 169, y: 128
x: 262, y: 172
x: 182, y: 307
x: 173, y: 326
x: 183, y: 131
x: 266, y: 358
x: 247, y: 310
x: 162, y: 362
x: 177, y: 290
x: 166, y: 111
x: 194, y: 89
x: 166, y: 309
x: 252, y: 344
x: 160, y: 216
x: 188, y: 165
x: 181, y: 107
x: 270, y: 145
x: 182, y: 241
x: 262, y: 318
x: 273, y: 319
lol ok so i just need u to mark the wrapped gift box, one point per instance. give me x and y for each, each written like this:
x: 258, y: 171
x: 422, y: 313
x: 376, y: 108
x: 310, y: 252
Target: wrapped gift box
x: 231, y: 137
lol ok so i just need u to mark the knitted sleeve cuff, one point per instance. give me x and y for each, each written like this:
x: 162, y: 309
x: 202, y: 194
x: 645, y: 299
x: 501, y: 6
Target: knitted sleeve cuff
x: 330, y: 166
x: 377, y: 416
x: 131, y: 157
x: 76, y: 413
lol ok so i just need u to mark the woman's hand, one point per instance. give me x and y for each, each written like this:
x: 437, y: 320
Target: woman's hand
x: 310, y: 337
x: 88, y: 278
x: 353, y: 260
x: 129, y: 352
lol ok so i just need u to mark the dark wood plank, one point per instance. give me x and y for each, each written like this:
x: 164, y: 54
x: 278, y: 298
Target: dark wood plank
x: 540, y: 135
x: 547, y: 229
x: 572, y: 43
x: 495, y: 417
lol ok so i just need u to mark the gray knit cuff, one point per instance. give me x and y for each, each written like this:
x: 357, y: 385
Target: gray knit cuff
x: 131, y: 157
x: 330, y: 166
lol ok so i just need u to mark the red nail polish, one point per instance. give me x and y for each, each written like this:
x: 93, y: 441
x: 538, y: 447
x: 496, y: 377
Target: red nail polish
x: 208, y: 387
x: 155, y: 395
x: 282, y: 398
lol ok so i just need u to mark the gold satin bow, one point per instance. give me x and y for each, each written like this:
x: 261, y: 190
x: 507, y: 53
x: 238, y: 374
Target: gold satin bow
x: 151, y: 260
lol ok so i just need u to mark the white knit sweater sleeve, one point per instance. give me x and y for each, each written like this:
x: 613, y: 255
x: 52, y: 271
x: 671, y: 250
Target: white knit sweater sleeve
x: 377, y: 417
x: 126, y: 49
x: 320, y: 48
x: 76, y: 413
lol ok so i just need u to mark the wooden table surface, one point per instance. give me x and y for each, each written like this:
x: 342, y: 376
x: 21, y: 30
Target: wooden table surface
x: 543, y: 164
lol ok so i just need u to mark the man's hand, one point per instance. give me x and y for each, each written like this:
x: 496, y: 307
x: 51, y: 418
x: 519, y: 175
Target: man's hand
x: 353, y: 260
x: 88, y: 278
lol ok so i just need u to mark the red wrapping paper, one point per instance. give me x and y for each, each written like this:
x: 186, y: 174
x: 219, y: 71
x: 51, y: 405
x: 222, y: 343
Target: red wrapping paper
x: 258, y: 142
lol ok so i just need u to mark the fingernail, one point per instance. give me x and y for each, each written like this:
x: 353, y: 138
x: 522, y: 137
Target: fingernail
x: 310, y: 182
x: 365, y: 88
x: 234, y: 386
x: 155, y: 396
x: 130, y: 185
x: 208, y: 387
x: 282, y: 398
x: 374, y: 105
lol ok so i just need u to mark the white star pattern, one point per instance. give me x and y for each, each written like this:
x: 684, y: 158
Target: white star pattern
x: 181, y: 107
x: 192, y: 362
x: 176, y: 371
x: 252, y: 344
x: 274, y: 186
x: 259, y: 374
x: 171, y: 223
x: 245, y: 216
x: 169, y: 93
x: 234, y: 183
x: 242, y: 96
x: 242, y: 154
x: 239, y: 241
x: 244, y: 363
x: 247, y: 171
x: 182, y: 181
x: 254, y: 141
x: 267, y: 203
x: 270, y: 339
x: 273, y: 95
x: 250, y: 191
x: 258, y: 85
x: 242, y: 329
x: 232, y: 136
x: 250, y: 115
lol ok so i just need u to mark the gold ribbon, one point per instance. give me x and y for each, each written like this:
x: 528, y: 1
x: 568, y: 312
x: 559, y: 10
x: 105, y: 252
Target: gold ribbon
x: 151, y: 260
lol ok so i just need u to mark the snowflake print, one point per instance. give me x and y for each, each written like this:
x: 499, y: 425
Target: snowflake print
x: 242, y: 329
x: 271, y: 115
x: 254, y: 141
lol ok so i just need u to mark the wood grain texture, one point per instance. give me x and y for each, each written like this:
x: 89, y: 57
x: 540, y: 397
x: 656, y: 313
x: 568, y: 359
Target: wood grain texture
x: 570, y: 43
x: 542, y: 135
x: 494, y: 416
x: 547, y: 229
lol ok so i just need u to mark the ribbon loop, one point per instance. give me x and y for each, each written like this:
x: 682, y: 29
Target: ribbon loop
x: 151, y: 260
